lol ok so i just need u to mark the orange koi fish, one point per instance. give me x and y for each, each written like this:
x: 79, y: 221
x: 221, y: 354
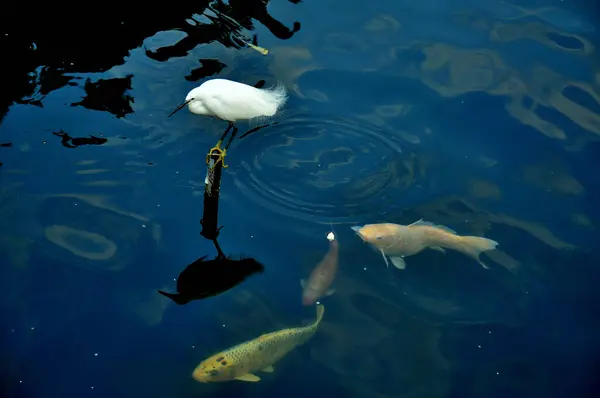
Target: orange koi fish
x: 399, y: 241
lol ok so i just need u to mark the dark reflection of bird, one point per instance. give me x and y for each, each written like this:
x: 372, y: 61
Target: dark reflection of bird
x: 202, y: 279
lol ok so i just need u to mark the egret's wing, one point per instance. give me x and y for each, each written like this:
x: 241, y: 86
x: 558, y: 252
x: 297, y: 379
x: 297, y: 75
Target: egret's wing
x: 246, y: 103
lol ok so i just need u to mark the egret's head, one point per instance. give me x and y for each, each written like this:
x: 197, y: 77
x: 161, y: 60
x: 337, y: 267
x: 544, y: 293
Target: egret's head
x: 193, y: 94
x: 195, y: 103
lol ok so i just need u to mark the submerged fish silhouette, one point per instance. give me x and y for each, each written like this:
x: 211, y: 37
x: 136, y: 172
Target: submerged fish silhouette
x: 202, y: 279
x: 322, y: 275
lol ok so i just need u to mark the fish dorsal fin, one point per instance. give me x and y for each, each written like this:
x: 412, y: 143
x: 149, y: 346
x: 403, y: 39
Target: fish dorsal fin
x: 248, y: 377
x: 423, y: 223
x: 418, y: 222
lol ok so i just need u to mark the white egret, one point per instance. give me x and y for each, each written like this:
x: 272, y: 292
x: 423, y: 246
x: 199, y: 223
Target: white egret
x: 232, y: 101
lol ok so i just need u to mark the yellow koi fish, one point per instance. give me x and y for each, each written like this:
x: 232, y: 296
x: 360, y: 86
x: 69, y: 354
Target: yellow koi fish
x: 398, y: 241
x: 242, y: 361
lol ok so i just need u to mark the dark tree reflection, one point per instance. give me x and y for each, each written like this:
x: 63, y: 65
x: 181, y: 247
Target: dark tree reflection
x: 108, y: 95
x: 44, y: 51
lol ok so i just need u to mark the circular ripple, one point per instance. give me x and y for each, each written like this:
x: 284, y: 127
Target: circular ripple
x: 323, y: 169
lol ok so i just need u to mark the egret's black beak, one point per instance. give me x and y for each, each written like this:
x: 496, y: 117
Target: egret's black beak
x: 180, y: 107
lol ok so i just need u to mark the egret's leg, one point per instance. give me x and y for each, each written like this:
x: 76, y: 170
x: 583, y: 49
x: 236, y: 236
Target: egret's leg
x: 225, y: 133
x: 233, y: 134
x: 255, y: 129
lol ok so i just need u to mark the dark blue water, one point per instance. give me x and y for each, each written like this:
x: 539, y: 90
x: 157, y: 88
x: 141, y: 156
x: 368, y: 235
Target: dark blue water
x: 483, y: 116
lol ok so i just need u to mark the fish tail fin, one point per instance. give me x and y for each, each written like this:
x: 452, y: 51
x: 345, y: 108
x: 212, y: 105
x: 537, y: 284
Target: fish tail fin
x: 320, y: 312
x: 175, y: 297
x: 475, y: 245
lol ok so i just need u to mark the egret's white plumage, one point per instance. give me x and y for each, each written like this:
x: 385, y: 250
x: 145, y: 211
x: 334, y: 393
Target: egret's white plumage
x: 233, y: 101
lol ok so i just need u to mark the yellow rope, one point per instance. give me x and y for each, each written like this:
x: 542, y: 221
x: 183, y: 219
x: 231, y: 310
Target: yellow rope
x: 216, y: 150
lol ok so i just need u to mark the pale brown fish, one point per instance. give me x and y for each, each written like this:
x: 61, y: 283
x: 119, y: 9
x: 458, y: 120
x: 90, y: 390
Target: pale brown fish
x: 322, y: 275
x: 398, y: 241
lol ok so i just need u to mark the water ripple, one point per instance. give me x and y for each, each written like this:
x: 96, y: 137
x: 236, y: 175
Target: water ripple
x: 321, y: 169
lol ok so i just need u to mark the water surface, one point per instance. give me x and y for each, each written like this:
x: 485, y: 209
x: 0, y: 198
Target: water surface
x: 483, y: 116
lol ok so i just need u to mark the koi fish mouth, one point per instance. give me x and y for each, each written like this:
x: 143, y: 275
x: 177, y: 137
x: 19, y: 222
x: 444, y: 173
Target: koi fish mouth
x: 357, y: 229
x: 197, y: 375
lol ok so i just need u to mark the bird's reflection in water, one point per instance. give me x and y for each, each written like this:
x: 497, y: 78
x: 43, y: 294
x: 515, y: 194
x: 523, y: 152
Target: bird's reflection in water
x: 206, y: 278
